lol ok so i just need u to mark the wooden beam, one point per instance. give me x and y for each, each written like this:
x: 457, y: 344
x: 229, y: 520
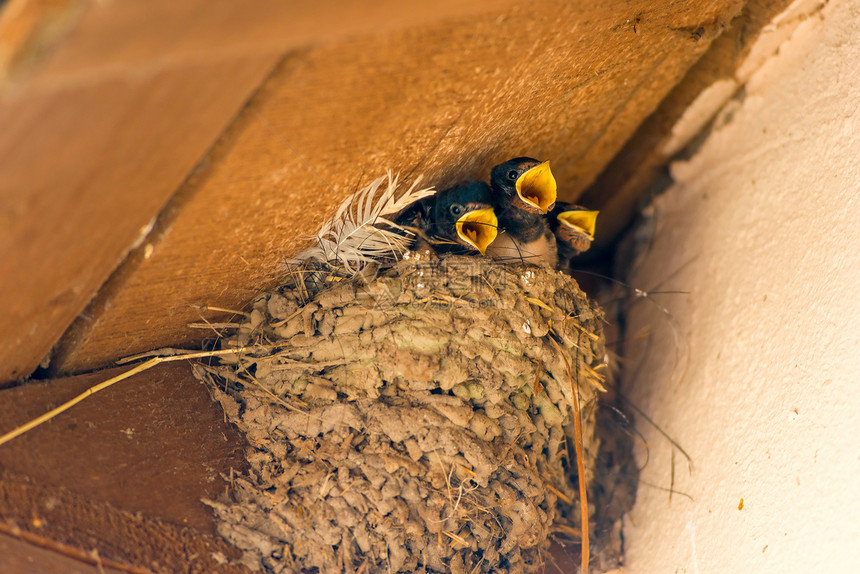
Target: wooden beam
x: 114, y: 485
x: 18, y: 555
x: 29, y: 29
x: 569, y: 82
x: 84, y: 171
x: 639, y: 163
x: 154, y: 444
x: 44, y: 515
x: 102, y: 124
x: 122, y: 472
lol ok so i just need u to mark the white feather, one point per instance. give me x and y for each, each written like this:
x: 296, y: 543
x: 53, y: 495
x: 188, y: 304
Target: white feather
x: 353, y: 236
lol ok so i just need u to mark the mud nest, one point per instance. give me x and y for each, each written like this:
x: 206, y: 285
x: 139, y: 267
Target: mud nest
x: 413, y: 419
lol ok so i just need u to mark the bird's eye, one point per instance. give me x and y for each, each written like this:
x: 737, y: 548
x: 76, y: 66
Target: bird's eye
x: 456, y: 209
x: 513, y: 175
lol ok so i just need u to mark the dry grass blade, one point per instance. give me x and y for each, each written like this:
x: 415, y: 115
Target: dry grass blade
x: 557, y: 492
x: 69, y: 404
x: 580, y: 458
x: 457, y: 539
x: 659, y: 429
x: 16, y: 432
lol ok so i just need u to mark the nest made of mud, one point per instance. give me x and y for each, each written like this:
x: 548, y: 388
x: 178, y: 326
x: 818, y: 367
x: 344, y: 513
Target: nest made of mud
x: 415, y: 420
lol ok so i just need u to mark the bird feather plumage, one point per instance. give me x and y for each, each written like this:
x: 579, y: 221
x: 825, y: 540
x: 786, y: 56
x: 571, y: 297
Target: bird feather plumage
x: 362, y: 228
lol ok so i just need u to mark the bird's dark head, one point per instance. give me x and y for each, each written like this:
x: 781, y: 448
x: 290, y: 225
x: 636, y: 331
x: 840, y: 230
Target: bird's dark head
x: 464, y: 214
x: 526, y: 183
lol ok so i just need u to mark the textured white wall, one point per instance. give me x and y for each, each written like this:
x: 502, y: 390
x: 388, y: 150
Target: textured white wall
x: 768, y: 210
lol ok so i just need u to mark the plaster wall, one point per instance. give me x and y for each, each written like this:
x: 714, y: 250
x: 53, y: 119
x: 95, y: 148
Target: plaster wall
x: 756, y: 373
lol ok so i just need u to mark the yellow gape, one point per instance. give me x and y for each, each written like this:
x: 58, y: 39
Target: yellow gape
x: 478, y: 228
x: 581, y: 221
x: 537, y: 187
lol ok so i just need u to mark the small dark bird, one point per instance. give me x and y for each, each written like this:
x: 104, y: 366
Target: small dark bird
x: 524, y: 189
x: 459, y: 219
x: 573, y: 226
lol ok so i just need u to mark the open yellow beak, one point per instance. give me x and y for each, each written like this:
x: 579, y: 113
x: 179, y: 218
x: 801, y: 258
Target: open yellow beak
x: 537, y: 187
x: 478, y: 228
x: 580, y: 221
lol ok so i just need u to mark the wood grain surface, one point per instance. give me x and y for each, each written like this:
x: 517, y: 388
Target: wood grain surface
x: 48, y: 515
x: 618, y: 189
x: 569, y: 82
x: 155, y: 443
x: 85, y: 170
x: 102, y: 126
x: 122, y: 472
x: 20, y: 556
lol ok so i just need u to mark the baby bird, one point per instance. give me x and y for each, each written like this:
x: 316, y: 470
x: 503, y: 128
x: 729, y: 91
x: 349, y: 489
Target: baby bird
x: 524, y: 189
x: 573, y: 226
x: 459, y: 219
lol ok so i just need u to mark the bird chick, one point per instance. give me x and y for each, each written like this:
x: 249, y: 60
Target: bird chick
x: 459, y: 219
x: 573, y: 226
x: 524, y: 189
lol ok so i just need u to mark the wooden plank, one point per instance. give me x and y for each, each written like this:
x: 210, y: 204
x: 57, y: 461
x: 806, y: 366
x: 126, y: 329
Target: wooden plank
x: 101, y: 130
x: 31, y: 28
x: 18, y: 556
x: 565, y: 81
x: 154, y: 444
x: 55, y: 514
x: 118, y: 478
x: 117, y: 37
x: 123, y: 472
x: 84, y: 170
x: 639, y: 163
